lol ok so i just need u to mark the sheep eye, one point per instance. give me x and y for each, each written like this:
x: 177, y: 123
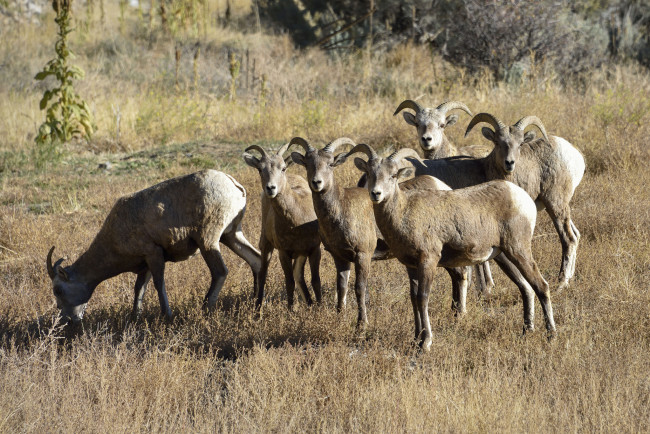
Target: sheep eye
x: 284, y: 169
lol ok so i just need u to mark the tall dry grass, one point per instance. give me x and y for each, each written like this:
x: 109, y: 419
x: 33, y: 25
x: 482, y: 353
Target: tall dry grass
x: 308, y: 370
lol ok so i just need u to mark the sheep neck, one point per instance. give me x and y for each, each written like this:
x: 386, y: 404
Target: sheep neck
x: 389, y: 214
x: 284, y: 204
x: 328, y: 207
x: 95, y: 265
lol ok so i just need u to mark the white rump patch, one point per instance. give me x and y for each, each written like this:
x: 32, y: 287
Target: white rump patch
x: 523, y: 203
x: 572, y: 158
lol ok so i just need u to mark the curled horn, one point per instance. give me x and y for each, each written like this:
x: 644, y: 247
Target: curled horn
x: 408, y: 104
x: 256, y: 148
x: 366, y: 149
x: 531, y: 120
x: 302, y: 142
x: 51, y: 269
x: 452, y: 105
x: 402, y: 153
x: 485, y: 117
x: 334, y: 144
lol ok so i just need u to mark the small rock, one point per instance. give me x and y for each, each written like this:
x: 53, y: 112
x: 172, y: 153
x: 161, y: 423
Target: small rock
x: 106, y: 165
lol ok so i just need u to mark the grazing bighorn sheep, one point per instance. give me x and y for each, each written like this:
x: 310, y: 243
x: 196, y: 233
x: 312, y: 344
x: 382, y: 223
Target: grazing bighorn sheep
x: 549, y: 170
x: 169, y: 221
x: 288, y: 224
x: 430, y: 125
x: 428, y: 228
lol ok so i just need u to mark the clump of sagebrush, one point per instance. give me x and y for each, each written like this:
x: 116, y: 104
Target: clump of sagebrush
x: 69, y: 116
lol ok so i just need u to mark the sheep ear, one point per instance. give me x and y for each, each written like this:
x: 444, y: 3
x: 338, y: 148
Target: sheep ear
x: 298, y: 158
x: 529, y: 136
x: 340, y: 159
x: 361, y: 164
x: 404, y: 172
x: 488, y: 134
x: 451, y: 119
x: 62, y: 274
x: 409, y: 118
x: 251, y: 160
x: 288, y: 161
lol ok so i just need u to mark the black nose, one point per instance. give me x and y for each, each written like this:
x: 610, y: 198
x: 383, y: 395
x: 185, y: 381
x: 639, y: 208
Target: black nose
x: 427, y: 138
x: 271, y: 189
x: 316, y: 182
x: 375, y: 194
x: 510, y: 165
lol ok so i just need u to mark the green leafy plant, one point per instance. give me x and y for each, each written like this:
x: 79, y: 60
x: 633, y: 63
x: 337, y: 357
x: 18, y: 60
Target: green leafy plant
x: 68, y: 115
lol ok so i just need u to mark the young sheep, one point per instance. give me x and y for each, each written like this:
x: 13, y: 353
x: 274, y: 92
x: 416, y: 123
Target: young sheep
x: 345, y: 220
x: 548, y: 169
x: 430, y: 125
x: 169, y: 221
x: 427, y: 228
x: 288, y: 224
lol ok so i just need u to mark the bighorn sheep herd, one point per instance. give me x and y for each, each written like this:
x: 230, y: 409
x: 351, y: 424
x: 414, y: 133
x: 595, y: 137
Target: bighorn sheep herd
x: 458, y: 211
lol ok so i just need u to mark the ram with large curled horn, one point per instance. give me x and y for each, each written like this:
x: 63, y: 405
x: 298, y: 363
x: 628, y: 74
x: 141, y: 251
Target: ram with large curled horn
x: 430, y: 124
x: 288, y: 224
x: 426, y: 228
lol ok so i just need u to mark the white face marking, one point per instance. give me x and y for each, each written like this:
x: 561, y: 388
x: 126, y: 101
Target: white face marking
x: 572, y: 158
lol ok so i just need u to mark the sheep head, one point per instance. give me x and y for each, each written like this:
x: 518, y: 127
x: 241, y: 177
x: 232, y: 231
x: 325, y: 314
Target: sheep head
x: 320, y: 163
x: 71, y: 296
x: 431, y: 123
x: 507, y: 140
x: 383, y: 174
x: 271, y: 167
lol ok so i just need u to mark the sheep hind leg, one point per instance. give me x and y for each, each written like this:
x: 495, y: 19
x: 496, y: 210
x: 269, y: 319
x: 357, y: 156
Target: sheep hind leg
x: 459, y: 281
x: 299, y: 278
x: 561, y: 217
x: 426, y: 273
x: 237, y: 242
x: 267, y: 252
x: 156, y: 264
x: 525, y: 289
x: 523, y: 260
x: 139, y: 289
x: 218, y: 272
x: 362, y: 269
x: 342, y: 277
x: 413, y: 292
x: 314, y: 266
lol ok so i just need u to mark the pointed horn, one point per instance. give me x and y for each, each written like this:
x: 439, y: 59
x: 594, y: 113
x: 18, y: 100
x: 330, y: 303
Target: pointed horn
x: 408, y: 104
x: 256, y: 148
x: 334, y: 144
x: 531, y: 120
x: 283, y: 149
x: 404, y: 152
x: 453, y: 105
x: 366, y: 149
x: 302, y: 142
x: 487, y: 118
x: 52, y: 269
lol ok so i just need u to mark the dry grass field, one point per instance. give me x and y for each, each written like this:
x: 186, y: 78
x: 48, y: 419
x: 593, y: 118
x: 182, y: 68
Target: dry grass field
x: 307, y: 370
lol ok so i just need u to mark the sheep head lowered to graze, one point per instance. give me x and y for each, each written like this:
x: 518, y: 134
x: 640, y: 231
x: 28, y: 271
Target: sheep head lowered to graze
x: 430, y: 125
x: 169, y: 221
x: 345, y: 219
x: 549, y: 169
x: 428, y: 228
x: 288, y: 223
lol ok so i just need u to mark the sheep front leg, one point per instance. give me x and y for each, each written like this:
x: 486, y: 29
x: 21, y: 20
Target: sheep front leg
x: 314, y: 266
x: 267, y: 252
x: 413, y: 292
x: 459, y: 281
x: 156, y: 263
x: 299, y: 277
x: 287, y: 268
x: 140, y: 287
x: 342, y: 277
x: 426, y: 273
x: 362, y: 269
x: 218, y: 272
